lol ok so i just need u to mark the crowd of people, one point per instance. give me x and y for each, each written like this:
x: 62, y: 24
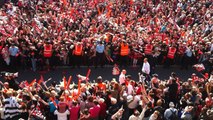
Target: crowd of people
x: 122, y: 99
x: 44, y: 34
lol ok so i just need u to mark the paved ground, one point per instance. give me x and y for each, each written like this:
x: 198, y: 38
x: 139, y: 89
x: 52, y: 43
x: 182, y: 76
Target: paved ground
x: 105, y: 72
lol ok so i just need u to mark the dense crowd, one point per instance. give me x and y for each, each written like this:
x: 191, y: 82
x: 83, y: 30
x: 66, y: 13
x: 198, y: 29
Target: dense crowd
x: 44, y: 34
x: 122, y: 99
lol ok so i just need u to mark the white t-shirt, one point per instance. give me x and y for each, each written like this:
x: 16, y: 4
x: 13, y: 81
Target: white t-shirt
x: 130, y: 89
x: 135, y: 102
x: 146, y: 68
x: 122, y: 78
x: 133, y: 117
x: 62, y: 116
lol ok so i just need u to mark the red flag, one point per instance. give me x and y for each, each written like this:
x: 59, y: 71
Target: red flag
x: 23, y: 84
x: 199, y: 67
x: 108, y: 13
x: 68, y: 83
x: 109, y: 10
x: 32, y: 82
x: 55, y: 104
x: 79, y: 87
x: 72, y: 93
x: 65, y: 82
x: 41, y: 80
x: 99, y: 11
x: 88, y: 73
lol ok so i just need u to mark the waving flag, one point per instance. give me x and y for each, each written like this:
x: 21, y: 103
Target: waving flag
x: 199, y: 67
x: 31, y: 84
x: 23, y: 84
x: 68, y: 83
x: 88, y: 74
x: 79, y: 87
x: 54, y: 103
x: 41, y: 80
x: 65, y: 82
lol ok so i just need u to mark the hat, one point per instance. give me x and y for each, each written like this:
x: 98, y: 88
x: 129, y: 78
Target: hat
x: 129, y: 98
x: 155, y: 75
x: 99, y: 78
x: 7, y: 74
x: 193, y: 74
x: 171, y: 104
x: 114, y: 80
x: 129, y: 76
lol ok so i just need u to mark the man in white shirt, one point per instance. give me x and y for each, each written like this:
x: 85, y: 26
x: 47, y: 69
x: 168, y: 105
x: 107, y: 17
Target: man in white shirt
x: 146, y: 70
x: 146, y: 67
x: 62, y: 116
x: 122, y: 77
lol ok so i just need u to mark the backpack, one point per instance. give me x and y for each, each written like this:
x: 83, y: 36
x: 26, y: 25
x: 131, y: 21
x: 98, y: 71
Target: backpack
x: 174, y: 116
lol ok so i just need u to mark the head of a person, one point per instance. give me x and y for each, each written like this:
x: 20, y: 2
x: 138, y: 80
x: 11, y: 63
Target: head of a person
x: 149, y: 104
x: 128, y: 77
x: 173, y: 80
x: 155, y: 75
x: 86, y: 111
x: 95, y: 102
x: 173, y: 74
x: 159, y: 102
x: 145, y: 60
x: 188, y: 109
x: 47, y: 94
x: 155, y: 115
x: 13, y: 45
x: 136, y: 113
x: 53, y: 83
x: 171, y: 105
x: 101, y: 100
x: 61, y: 98
x: 116, y: 86
x: 113, y: 101
x: 74, y: 103
x: 6, y: 84
x: 90, y: 99
x: 124, y: 71
x: 9, y: 93
x: 99, y: 79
